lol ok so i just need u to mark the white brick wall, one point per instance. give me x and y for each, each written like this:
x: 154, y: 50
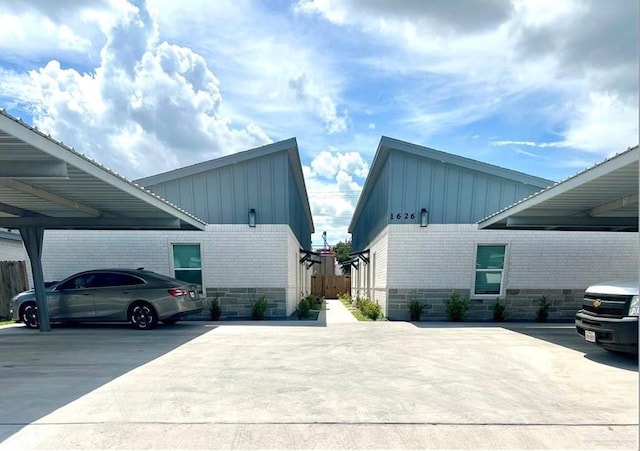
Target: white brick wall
x: 298, y: 277
x: 11, y: 250
x: 377, y: 271
x: 232, y: 255
x: 441, y: 256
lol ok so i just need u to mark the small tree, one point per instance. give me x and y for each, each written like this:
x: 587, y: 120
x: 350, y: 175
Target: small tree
x: 499, y: 311
x: 342, y: 251
x: 259, y: 308
x: 542, y: 314
x: 215, y: 310
x: 456, y: 307
x: 415, y: 309
x: 303, y: 308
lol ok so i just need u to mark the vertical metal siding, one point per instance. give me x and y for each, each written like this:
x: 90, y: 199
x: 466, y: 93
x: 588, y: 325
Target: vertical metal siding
x: 465, y: 212
x: 265, y: 196
x: 453, y: 197
x: 375, y: 212
x: 253, y: 187
x: 451, y: 194
x: 224, y: 195
x: 213, y: 198
x: 227, y: 197
x: 279, y: 187
x: 240, y: 188
x: 200, y: 204
x: 297, y: 218
x: 171, y: 192
x: 186, y: 195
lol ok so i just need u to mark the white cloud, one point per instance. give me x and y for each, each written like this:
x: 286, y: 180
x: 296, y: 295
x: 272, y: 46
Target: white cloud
x: 603, y: 125
x: 148, y: 107
x: 306, y: 90
x: 334, y: 191
x: 600, y: 125
x: 487, y: 59
x: 524, y: 152
x: 514, y: 143
x: 284, y: 80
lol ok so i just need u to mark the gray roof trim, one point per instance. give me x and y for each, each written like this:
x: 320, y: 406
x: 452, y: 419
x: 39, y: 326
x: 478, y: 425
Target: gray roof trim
x: 58, y: 150
x: 288, y: 145
x: 239, y: 157
x: 386, y: 144
x: 591, y: 174
x: 10, y: 236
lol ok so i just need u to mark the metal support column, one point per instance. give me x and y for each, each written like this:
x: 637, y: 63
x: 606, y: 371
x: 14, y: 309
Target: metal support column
x: 32, y: 237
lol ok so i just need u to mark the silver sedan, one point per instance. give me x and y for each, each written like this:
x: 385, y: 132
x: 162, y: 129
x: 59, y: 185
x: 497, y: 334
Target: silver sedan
x: 135, y: 295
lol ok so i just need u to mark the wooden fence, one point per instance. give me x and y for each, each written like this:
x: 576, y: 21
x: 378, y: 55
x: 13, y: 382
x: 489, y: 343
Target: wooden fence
x: 330, y: 286
x: 13, y: 280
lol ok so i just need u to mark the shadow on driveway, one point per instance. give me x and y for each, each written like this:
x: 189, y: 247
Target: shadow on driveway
x: 562, y: 334
x: 43, y: 371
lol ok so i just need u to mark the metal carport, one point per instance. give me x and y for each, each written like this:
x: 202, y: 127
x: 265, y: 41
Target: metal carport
x: 603, y: 197
x: 47, y: 185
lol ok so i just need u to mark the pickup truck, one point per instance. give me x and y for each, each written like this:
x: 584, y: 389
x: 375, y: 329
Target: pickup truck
x: 609, y: 316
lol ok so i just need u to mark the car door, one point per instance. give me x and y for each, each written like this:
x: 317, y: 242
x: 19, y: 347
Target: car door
x: 73, y: 299
x: 112, y: 297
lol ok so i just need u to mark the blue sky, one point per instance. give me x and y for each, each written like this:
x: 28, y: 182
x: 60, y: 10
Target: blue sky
x: 546, y: 87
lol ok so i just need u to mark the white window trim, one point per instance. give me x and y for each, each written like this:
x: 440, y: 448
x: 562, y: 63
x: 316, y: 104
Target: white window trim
x: 172, y: 265
x: 503, y: 278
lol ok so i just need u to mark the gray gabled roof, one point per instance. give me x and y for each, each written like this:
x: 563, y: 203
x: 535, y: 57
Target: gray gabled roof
x: 290, y: 146
x: 603, y: 197
x: 45, y: 183
x: 387, y: 144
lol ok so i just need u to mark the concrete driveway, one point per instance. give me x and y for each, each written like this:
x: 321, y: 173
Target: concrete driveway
x: 331, y: 384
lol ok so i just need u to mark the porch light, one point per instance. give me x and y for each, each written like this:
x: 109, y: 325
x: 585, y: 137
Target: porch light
x: 252, y: 218
x: 424, y: 221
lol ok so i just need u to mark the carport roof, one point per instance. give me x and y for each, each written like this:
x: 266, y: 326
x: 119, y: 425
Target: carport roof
x: 603, y: 197
x: 44, y: 183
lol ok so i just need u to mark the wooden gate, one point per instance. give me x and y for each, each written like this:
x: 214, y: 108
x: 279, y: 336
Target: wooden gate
x: 330, y: 286
x: 13, y: 280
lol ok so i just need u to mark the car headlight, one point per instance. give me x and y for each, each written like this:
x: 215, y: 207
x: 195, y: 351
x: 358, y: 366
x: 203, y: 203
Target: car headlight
x: 634, y: 306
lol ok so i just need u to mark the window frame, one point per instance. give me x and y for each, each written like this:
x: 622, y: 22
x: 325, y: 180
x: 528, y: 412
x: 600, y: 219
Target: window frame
x: 172, y: 262
x: 503, y: 272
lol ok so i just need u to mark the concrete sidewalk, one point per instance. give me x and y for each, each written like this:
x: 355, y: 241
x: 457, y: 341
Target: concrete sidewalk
x: 336, y: 313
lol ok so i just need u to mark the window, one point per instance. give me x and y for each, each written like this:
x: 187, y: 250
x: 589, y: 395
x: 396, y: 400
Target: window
x: 187, y: 265
x: 489, y: 269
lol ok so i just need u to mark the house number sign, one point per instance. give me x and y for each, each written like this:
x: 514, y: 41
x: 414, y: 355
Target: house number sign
x: 402, y: 216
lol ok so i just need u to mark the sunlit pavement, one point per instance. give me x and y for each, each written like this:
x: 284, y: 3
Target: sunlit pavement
x: 331, y: 384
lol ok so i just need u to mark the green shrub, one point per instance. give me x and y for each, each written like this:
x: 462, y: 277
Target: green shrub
x: 259, y: 308
x: 415, y: 309
x: 543, y: 310
x: 456, y: 307
x: 499, y: 311
x: 369, y: 308
x: 215, y: 310
x: 303, y: 308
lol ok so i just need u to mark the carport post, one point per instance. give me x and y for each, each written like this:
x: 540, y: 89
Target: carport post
x: 32, y: 237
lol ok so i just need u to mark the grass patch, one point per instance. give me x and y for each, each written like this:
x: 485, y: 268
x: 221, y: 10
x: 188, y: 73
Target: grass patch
x: 357, y: 314
x: 4, y: 322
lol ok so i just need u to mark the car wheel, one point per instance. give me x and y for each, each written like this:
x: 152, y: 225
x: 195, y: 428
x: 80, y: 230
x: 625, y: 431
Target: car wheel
x: 29, y: 315
x: 169, y: 322
x: 143, y: 316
